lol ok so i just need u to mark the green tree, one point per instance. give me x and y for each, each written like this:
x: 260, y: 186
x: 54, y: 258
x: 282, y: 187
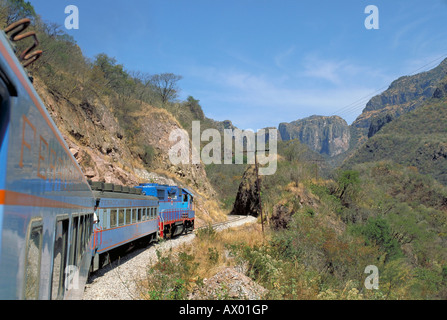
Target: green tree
x: 348, y: 184
x: 165, y: 85
x: 14, y: 10
x: 378, y: 231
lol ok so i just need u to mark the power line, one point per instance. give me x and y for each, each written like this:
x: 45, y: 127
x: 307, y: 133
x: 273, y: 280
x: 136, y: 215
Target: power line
x: 361, y: 103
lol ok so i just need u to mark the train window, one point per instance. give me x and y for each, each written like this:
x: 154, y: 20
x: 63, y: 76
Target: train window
x: 140, y: 210
x: 104, y: 222
x: 89, y: 229
x: 121, y: 215
x: 32, y: 262
x: 160, y: 194
x: 113, y: 219
x: 185, y: 198
x: 144, y: 214
x: 80, y: 242
x: 74, y: 240
x: 59, y: 258
x: 101, y: 218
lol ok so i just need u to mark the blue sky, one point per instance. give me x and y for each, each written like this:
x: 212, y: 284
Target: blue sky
x: 262, y: 62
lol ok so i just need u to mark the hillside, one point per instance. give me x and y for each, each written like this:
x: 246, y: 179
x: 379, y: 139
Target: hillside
x: 115, y: 122
x: 403, y: 95
x: 417, y: 138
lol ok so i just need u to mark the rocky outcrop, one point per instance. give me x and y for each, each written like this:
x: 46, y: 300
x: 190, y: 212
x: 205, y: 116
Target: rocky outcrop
x: 378, y: 123
x: 105, y: 153
x: 230, y: 284
x: 325, y: 135
x: 281, y: 217
x: 247, y: 199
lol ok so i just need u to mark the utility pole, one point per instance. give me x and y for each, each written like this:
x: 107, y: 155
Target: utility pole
x: 259, y: 189
x: 258, y: 182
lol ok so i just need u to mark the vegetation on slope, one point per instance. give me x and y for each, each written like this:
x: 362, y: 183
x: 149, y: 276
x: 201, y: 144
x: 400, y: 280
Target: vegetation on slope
x: 417, y: 138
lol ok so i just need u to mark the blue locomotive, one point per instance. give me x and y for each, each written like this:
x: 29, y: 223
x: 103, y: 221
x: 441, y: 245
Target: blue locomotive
x: 176, y: 208
x: 55, y: 226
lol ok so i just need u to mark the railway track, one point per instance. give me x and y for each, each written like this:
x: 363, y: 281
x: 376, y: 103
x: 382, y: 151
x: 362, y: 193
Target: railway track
x: 218, y: 224
x: 117, y: 280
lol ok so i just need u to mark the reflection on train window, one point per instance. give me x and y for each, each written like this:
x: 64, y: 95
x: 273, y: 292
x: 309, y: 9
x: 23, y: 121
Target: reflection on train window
x: 32, y: 262
x: 59, y: 258
x: 121, y: 217
x: 113, y: 213
x: 79, y: 242
x: 74, y: 236
x: 103, y: 218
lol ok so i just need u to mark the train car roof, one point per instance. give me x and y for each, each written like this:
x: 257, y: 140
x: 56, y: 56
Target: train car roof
x: 163, y: 186
x: 120, y: 195
x: 114, y: 191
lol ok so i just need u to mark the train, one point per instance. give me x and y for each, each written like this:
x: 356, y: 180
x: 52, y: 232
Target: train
x: 56, y: 226
x: 147, y: 212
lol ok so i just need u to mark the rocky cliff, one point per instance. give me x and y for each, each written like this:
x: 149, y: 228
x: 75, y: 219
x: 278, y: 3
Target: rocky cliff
x: 403, y: 95
x: 247, y: 200
x: 105, y: 153
x: 325, y: 135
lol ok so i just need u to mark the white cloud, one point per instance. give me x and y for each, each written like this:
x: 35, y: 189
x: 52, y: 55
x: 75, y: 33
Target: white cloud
x: 256, y: 101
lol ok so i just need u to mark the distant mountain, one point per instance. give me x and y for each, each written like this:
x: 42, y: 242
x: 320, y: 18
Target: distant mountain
x: 333, y: 138
x: 326, y: 135
x: 417, y: 138
x: 403, y: 95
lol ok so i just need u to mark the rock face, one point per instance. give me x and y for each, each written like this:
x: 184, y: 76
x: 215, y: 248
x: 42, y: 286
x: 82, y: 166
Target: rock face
x: 247, y: 198
x: 105, y: 153
x: 281, y: 217
x: 325, y: 135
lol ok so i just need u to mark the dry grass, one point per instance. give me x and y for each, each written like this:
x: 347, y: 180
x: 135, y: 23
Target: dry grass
x: 205, y: 256
x: 212, y: 253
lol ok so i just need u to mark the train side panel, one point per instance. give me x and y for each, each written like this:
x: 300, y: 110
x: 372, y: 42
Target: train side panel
x: 123, y: 218
x: 46, y: 204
